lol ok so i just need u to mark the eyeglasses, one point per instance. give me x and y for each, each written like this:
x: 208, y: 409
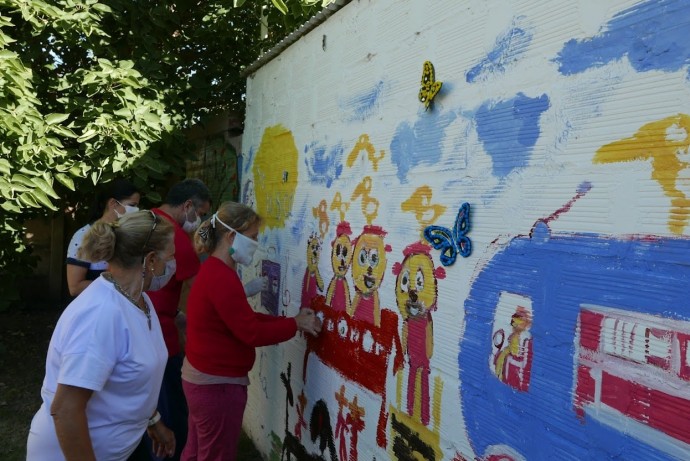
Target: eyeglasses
x: 155, y: 223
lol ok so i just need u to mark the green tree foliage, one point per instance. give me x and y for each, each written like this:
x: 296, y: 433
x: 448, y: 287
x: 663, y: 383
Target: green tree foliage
x: 92, y: 90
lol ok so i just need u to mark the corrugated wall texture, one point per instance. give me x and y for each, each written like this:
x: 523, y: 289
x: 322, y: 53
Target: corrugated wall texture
x: 502, y: 275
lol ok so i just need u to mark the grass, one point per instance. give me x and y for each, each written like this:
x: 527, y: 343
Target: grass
x: 24, y: 338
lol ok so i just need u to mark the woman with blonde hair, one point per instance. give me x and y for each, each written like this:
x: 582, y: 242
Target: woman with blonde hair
x: 223, y: 332
x: 106, y: 356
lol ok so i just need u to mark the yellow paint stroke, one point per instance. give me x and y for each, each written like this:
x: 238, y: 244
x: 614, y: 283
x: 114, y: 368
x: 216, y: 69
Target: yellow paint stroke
x: 363, y: 144
x: 430, y: 436
x: 275, y: 176
x: 320, y: 212
x: 340, y: 206
x: 436, y: 405
x: 370, y: 205
x: 664, y: 142
x: 417, y: 402
x: 399, y: 389
x: 420, y: 204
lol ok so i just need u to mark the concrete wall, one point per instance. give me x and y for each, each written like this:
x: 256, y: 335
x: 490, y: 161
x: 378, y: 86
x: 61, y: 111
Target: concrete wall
x: 516, y: 275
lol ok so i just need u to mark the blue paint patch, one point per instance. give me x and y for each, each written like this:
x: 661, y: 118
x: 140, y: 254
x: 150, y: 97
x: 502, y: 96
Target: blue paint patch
x: 323, y: 166
x: 419, y: 144
x: 509, y: 129
x: 637, y: 278
x: 273, y: 246
x: 364, y: 105
x: 244, y: 165
x: 298, y: 226
x: 653, y: 35
x: 508, y: 49
x: 634, y: 279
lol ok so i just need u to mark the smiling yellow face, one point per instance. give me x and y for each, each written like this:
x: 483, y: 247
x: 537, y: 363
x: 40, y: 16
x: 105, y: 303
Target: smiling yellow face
x: 415, y: 286
x: 369, y: 263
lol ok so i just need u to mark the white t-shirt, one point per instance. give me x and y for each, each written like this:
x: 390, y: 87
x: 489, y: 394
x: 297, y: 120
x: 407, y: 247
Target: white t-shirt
x: 102, y: 342
x: 94, y: 269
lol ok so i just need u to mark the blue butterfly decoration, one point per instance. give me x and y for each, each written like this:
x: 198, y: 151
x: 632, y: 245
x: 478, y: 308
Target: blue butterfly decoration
x: 452, y: 243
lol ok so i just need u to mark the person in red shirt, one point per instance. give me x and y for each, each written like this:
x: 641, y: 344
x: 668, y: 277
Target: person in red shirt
x: 222, y: 333
x: 185, y: 204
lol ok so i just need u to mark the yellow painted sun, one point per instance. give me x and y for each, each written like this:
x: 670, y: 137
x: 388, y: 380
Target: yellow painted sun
x: 275, y: 175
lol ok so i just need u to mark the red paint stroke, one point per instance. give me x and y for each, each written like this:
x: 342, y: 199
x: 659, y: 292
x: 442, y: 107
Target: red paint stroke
x: 684, y: 341
x: 310, y: 285
x: 301, y: 421
x: 345, y: 352
x: 584, y: 393
x: 582, y: 189
x: 590, y: 329
x: 343, y: 229
x: 355, y: 422
x: 664, y: 412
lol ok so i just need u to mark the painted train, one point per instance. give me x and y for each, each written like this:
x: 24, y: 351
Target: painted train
x: 576, y: 346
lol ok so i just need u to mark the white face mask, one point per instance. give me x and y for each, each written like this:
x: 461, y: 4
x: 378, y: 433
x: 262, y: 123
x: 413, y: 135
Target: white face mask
x: 191, y: 226
x: 128, y: 209
x: 159, y: 281
x: 243, y: 248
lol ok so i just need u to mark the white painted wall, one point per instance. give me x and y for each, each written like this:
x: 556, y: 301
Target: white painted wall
x: 534, y: 95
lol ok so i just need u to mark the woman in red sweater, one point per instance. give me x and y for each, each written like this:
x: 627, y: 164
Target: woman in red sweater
x: 223, y: 332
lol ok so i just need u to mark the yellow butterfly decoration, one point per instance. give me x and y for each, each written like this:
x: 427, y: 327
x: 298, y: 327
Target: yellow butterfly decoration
x: 430, y: 87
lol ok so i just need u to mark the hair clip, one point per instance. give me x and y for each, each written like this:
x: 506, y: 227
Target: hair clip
x: 203, y: 232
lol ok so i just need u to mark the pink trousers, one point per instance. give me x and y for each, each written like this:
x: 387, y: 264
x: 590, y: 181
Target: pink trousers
x: 215, y: 421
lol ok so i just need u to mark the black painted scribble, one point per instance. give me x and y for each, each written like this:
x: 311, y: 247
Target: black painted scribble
x: 320, y: 428
x: 408, y: 445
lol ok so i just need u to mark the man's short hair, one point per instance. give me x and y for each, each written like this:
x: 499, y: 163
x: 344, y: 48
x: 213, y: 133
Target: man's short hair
x: 193, y: 189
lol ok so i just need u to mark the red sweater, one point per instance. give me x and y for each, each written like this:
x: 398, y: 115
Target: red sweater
x: 222, y: 328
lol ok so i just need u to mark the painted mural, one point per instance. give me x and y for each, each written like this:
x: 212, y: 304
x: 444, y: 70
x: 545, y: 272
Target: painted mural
x: 498, y: 253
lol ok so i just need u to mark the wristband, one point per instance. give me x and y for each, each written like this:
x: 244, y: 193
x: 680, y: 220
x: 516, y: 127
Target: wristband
x: 154, y: 419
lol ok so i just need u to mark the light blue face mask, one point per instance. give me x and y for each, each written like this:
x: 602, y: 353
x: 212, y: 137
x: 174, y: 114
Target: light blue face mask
x: 159, y: 281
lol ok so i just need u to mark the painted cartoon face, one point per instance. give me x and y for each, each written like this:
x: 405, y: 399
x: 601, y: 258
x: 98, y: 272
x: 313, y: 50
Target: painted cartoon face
x: 521, y: 319
x: 369, y: 263
x: 415, y: 287
x: 313, y: 252
x: 341, y: 256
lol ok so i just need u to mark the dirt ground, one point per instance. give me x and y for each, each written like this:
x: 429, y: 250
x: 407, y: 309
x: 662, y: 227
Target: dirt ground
x: 24, y: 338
